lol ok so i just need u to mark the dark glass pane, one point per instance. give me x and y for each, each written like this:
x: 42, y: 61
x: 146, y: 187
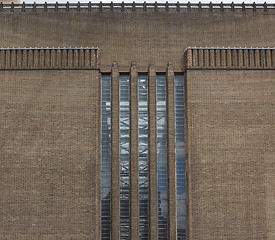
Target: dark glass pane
x: 180, y: 157
x: 143, y: 155
x: 105, y: 156
x: 124, y: 157
x: 162, y: 156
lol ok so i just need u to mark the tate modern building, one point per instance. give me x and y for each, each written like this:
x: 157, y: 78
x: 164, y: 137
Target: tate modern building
x: 137, y: 121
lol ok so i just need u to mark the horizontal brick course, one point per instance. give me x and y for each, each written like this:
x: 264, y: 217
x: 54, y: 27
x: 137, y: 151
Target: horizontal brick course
x: 49, y: 58
x: 231, y: 58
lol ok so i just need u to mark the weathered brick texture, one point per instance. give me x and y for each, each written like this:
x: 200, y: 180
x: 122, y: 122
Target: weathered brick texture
x: 49, y: 154
x: 144, y: 35
x: 230, y: 152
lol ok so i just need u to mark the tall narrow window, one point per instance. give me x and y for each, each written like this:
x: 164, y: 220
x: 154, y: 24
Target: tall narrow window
x: 143, y: 156
x: 162, y: 161
x: 124, y: 157
x: 162, y: 156
x: 106, y: 157
x: 180, y: 157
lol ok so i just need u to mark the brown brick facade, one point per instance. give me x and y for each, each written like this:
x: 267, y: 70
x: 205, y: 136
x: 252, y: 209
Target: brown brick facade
x: 49, y: 154
x: 230, y: 150
x: 145, y: 35
x: 50, y: 116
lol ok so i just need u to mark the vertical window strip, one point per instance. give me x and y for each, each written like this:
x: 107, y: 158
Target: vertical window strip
x: 162, y: 157
x: 180, y: 157
x: 124, y: 157
x: 106, y: 157
x: 143, y: 157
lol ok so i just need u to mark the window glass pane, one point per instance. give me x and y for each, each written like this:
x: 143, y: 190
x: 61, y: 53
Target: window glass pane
x: 143, y: 155
x: 105, y: 156
x: 124, y: 157
x: 162, y: 156
x: 180, y: 157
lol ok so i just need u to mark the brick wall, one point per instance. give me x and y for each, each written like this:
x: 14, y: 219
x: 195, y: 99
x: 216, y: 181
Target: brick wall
x: 49, y: 154
x: 230, y: 152
x: 143, y: 36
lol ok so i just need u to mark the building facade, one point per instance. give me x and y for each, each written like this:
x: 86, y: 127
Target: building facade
x: 137, y: 121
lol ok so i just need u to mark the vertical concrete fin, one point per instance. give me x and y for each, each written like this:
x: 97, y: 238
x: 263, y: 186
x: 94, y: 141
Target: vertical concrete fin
x: 31, y: 60
x: 70, y: 58
x: 2, y: 59
x: 229, y: 58
x: 243, y: 6
x: 272, y: 58
x: 19, y: 58
x: 201, y: 58
x: 36, y: 58
x: 178, y: 6
x: 251, y: 58
x: 115, y: 152
x: 257, y: 58
x: 206, y: 58
x: 53, y: 58
x: 245, y: 58
x: 156, y: 6
x: 23, y: 6
x: 81, y: 58
x: 212, y: 60
x: 152, y: 148
x: 218, y: 57
x: 47, y: 58
x: 268, y: 58
x: 235, y: 59
x: 210, y: 6
x: 223, y: 58
x: 64, y: 58
x: 75, y: 58
x: 46, y: 7
x: 171, y: 154
x: 167, y: 6
x: 240, y: 58
x: 42, y: 58
x: 13, y: 59
x: 59, y: 58
x: 8, y: 59
x: 263, y: 58
x: 189, y: 6
x: 134, y: 6
x: 145, y: 6
x: 189, y: 58
x: 94, y: 59
x: 134, y: 167
x: 25, y: 59
x: 87, y: 58
x: 232, y: 6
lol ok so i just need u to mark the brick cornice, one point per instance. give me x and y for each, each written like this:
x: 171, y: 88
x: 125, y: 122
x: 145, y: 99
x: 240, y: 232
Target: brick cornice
x: 230, y: 58
x: 49, y: 58
x: 133, y: 6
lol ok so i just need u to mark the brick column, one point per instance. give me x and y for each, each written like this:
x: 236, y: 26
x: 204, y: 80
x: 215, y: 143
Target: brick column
x: 115, y: 153
x: 98, y: 163
x: 134, y: 173
x: 152, y: 148
x: 171, y: 153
